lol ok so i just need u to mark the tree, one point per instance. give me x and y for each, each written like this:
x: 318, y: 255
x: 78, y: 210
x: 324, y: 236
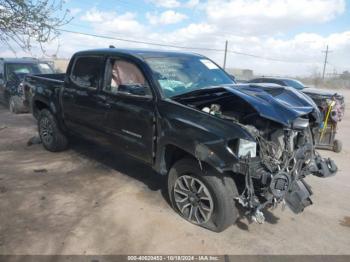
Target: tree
x: 25, y: 21
x: 345, y: 75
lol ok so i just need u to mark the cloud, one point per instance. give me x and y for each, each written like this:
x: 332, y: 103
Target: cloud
x: 165, y: 18
x: 269, y: 17
x: 253, y: 27
x: 175, y: 3
x: 93, y: 15
x: 302, y: 52
x: 191, y: 3
x: 166, y: 3
x: 104, y: 22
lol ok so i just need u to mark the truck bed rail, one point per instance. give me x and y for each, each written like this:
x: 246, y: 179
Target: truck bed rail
x: 49, y: 77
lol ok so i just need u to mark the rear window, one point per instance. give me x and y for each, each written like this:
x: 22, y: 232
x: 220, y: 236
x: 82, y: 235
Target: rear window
x: 294, y: 83
x: 86, y: 71
x: 45, y: 68
x: 19, y: 70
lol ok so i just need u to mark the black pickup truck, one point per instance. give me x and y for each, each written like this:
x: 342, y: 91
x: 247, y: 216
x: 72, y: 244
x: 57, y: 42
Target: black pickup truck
x: 223, y: 146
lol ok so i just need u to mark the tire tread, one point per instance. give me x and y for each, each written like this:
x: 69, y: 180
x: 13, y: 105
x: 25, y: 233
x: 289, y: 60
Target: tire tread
x: 223, y: 189
x: 60, y: 141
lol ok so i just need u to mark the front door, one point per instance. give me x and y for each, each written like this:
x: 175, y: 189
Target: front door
x: 130, y: 122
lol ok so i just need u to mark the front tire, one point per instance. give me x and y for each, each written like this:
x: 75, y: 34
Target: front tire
x: 202, y: 198
x: 51, y: 136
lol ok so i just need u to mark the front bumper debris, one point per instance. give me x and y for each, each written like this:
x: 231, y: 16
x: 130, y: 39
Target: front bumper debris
x: 266, y: 189
x: 298, y: 196
x: 324, y: 167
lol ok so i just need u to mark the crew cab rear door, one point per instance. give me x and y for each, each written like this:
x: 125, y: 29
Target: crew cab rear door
x: 130, y: 122
x: 83, y: 112
x: 2, y: 82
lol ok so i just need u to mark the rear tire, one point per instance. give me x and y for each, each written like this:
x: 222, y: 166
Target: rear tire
x: 210, y: 200
x: 16, y: 105
x: 337, y: 146
x: 51, y: 136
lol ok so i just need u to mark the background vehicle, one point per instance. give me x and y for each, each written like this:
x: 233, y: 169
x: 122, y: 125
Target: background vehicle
x: 12, y: 73
x: 220, y: 144
x: 331, y: 105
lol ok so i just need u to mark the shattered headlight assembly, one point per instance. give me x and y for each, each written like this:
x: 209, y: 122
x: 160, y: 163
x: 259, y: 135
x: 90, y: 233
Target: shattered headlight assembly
x: 242, y: 147
x: 246, y: 147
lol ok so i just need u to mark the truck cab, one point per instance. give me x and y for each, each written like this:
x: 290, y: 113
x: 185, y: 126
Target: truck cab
x: 111, y: 96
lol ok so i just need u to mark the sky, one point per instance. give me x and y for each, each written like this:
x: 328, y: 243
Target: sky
x: 281, y: 37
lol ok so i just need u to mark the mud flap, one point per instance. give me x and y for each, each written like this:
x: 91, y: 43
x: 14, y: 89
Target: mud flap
x: 298, y: 196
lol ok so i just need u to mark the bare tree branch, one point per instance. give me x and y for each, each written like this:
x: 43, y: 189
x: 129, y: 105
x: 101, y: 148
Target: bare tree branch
x: 23, y: 22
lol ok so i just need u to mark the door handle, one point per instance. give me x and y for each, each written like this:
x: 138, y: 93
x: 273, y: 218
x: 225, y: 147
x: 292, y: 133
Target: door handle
x: 68, y: 95
x: 103, y: 101
x: 104, y: 104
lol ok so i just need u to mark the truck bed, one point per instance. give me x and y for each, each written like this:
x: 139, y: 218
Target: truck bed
x: 44, y: 86
x: 48, y: 77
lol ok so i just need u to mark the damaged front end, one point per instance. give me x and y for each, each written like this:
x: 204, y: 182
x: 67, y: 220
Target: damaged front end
x: 276, y: 175
x: 280, y: 152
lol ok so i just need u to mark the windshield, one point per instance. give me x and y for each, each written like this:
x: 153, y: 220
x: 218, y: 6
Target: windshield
x: 179, y: 75
x: 19, y: 70
x: 294, y: 83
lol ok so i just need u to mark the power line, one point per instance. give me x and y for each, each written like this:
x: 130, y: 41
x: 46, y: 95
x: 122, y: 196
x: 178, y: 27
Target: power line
x: 176, y: 46
x: 140, y: 42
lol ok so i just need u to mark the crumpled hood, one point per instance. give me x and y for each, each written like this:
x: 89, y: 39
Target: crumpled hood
x: 277, y: 103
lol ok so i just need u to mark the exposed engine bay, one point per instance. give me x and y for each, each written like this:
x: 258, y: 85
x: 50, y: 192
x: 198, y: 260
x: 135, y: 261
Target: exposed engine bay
x: 277, y: 166
x: 276, y: 162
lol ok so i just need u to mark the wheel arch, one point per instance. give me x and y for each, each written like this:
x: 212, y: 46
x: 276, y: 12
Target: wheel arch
x: 170, y: 155
x: 40, y: 104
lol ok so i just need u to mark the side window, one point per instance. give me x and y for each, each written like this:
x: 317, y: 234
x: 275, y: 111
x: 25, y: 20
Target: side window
x: 276, y: 81
x: 268, y: 80
x: 124, y: 76
x: 86, y: 71
x: 282, y: 83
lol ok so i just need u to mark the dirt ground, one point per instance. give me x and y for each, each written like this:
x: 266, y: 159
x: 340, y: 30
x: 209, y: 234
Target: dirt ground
x: 89, y: 201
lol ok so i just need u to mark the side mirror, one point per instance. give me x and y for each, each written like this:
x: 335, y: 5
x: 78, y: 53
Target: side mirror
x: 133, y: 89
x: 233, y: 77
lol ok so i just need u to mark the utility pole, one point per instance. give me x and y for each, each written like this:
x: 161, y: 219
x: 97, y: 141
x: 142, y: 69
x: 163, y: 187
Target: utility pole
x: 325, y: 61
x: 225, y: 54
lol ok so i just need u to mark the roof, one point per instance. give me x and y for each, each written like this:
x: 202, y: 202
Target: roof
x: 140, y: 53
x: 263, y: 84
x: 19, y: 60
